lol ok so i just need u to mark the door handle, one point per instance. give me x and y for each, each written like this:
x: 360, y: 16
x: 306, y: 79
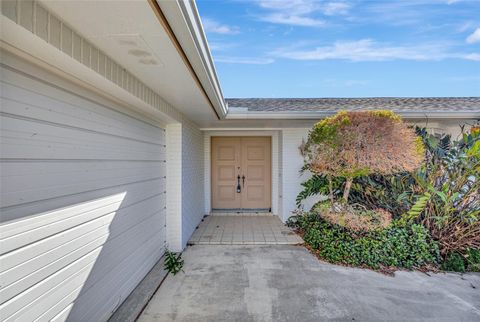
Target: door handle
x: 243, y: 181
x: 239, y: 189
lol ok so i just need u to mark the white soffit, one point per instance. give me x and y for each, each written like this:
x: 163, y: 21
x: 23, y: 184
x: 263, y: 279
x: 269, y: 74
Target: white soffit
x: 130, y: 33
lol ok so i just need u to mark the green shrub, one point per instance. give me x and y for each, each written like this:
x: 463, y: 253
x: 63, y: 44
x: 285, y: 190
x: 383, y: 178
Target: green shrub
x: 403, y: 246
x: 454, y: 262
x: 473, y: 260
x: 451, y: 178
x: 373, y: 191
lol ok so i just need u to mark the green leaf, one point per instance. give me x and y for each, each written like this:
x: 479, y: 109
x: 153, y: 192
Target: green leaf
x: 442, y: 196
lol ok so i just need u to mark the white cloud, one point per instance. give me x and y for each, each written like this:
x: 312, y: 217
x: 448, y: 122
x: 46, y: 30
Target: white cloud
x: 293, y: 12
x: 472, y: 56
x: 244, y: 60
x: 370, y: 50
x: 466, y: 26
x: 222, y: 46
x: 213, y: 26
x: 360, y: 50
x: 474, y: 37
x: 292, y: 6
x: 293, y: 20
x: 336, y: 8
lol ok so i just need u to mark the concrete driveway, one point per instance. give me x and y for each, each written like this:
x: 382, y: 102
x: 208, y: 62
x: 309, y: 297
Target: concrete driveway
x: 287, y: 283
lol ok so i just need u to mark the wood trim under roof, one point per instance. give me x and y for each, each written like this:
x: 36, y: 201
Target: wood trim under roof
x: 164, y: 22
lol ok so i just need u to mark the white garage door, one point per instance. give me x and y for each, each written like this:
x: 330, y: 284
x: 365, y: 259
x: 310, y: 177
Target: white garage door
x: 82, y: 201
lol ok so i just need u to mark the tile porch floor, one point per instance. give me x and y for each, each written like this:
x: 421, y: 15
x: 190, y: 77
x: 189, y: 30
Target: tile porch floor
x: 243, y: 230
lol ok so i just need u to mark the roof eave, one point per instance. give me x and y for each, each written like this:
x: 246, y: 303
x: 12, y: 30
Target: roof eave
x: 305, y: 115
x: 187, y: 11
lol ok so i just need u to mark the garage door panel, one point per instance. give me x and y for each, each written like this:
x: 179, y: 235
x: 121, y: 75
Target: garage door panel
x: 119, y: 212
x: 18, y: 256
x: 44, y: 102
x: 110, y: 255
x: 33, y: 140
x: 89, y: 309
x: 44, y: 212
x: 34, y: 271
x: 131, y: 242
x: 49, y: 170
x: 99, y: 311
x: 73, y: 278
x: 31, y: 272
x: 44, y: 185
x: 54, y: 252
x: 83, y: 200
x: 77, y: 272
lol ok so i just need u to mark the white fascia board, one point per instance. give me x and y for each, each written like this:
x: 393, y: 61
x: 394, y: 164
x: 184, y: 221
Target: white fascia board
x: 204, y: 66
x: 305, y: 115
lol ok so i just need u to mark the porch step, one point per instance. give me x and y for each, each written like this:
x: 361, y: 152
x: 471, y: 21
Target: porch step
x: 240, y: 229
x: 240, y: 213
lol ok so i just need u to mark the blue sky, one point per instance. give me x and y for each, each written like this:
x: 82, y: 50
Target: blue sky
x: 344, y: 48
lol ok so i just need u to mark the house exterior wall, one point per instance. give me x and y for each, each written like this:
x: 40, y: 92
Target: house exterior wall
x: 207, y: 177
x: 174, y: 186
x: 291, y: 164
x: 83, y: 198
x: 448, y: 126
x: 185, y: 183
x: 193, y: 196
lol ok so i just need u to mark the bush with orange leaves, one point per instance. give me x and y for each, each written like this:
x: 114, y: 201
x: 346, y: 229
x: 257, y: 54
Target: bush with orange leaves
x: 353, y: 144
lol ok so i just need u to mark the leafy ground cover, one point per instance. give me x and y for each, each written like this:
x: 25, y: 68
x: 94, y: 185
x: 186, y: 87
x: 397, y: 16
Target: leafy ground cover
x: 401, y: 246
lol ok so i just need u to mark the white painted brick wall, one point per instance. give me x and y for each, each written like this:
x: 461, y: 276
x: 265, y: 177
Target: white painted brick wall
x: 452, y: 127
x: 193, y: 196
x: 207, y: 172
x: 185, y: 183
x: 291, y: 164
x: 275, y: 173
x: 174, y: 186
x: 280, y: 175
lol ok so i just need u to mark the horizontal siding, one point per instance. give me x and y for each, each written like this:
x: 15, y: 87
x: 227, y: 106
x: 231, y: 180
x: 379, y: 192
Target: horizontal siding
x: 33, y: 139
x: 54, y: 180
x: 42, y: 101
x: 83, y: 202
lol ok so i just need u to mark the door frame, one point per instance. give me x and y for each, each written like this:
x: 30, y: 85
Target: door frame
x: 275, y: 163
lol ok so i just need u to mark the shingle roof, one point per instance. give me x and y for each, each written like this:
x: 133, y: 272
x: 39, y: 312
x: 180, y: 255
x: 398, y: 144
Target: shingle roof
x: 400, y: 104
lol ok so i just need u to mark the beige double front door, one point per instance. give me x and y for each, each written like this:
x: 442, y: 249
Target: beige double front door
x: 241, y: 173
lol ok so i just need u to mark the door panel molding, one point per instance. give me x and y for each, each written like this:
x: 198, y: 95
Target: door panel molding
x: 226, y: 161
